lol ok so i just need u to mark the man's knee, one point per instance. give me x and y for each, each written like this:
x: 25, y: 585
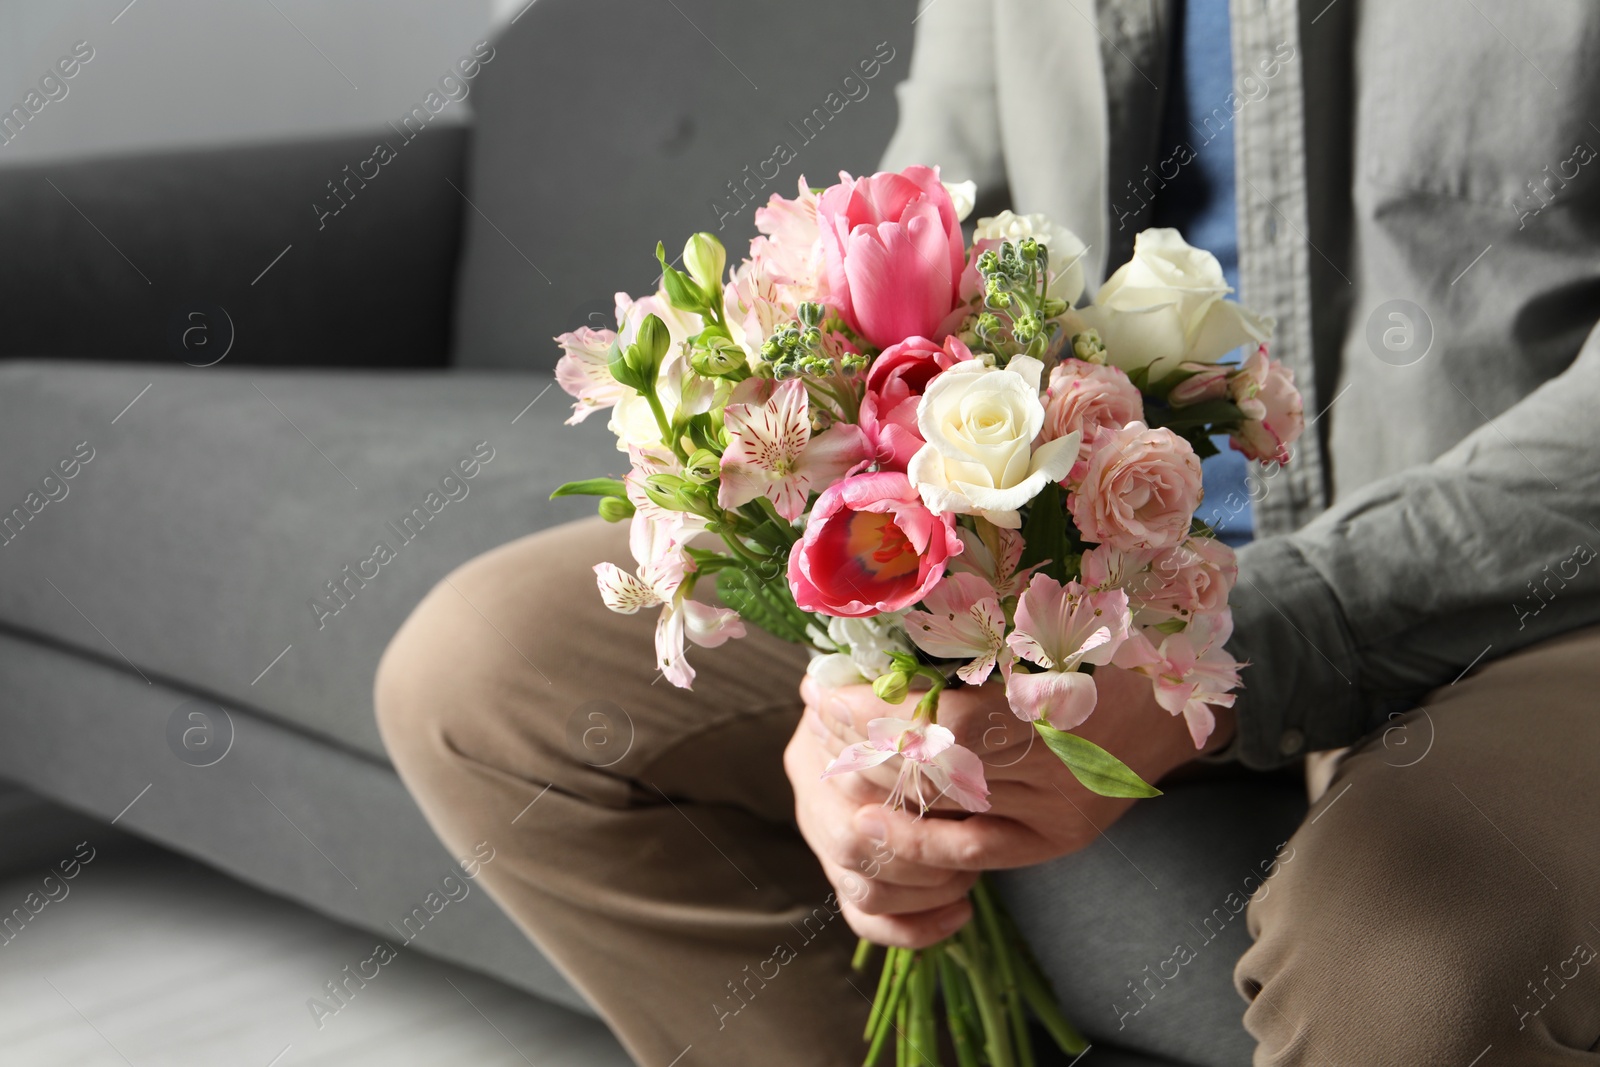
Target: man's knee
x: 453, y: 681
x: 1384, y: 934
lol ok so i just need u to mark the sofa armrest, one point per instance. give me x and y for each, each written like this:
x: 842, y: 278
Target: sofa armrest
x: 336, y: 252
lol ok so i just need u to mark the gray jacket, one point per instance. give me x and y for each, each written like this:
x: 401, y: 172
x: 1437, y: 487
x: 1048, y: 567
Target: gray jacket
x: 1419, y: 206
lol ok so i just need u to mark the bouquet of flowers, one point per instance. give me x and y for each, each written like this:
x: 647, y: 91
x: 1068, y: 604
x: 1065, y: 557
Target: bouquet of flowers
x: 928, y: 463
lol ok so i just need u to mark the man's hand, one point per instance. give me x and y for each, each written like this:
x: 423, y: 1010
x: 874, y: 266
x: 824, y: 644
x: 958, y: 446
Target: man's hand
x: 902, y: 880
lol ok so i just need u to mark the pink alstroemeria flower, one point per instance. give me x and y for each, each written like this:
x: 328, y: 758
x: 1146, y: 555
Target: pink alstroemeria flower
x: 1194, y: 674
x: 1060, y: 627
x: 584, y: 371
x: 963, y: 620
x: 772, y: 453
x: 929, y: 751
x: 994, y: 556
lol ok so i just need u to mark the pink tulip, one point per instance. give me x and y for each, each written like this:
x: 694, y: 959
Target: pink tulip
x: 870, y: 546
x: 893, y: 250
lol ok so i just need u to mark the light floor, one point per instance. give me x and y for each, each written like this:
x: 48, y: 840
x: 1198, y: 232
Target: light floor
x: 150, y: 960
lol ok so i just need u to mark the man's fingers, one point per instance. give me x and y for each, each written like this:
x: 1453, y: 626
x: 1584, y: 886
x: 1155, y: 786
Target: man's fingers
x: 877, y: 896
x: 976, y: 843
x: 908, y: 931
x: 826, y: 813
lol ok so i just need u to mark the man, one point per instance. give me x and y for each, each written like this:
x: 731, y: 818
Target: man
x: 1414, y: 199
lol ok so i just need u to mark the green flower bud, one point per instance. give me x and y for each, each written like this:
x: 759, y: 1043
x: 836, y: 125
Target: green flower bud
x: 653, y: 340
x: 615, y: 509
x: 703, y: 466
x: 682, y: 292
x: 705, y: 257
x: 892, y: 688
x: 666, y: 490
x: 718, y: 358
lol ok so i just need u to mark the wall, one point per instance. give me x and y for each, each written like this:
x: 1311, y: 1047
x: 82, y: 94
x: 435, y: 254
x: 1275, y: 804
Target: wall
x: 168, y: 73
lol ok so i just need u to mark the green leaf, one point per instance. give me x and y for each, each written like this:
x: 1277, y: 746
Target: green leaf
x: 1097, y: 769
x: 592, y: 487
x: 761, y: 603
x: 1044, y: 533
x: 1219, y: 414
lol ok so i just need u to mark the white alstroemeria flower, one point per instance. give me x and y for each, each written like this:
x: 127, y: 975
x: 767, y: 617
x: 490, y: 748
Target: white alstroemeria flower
x: 1165, y: 306
x: 980, y: 423
x: 659, y: 582
x: 772, y: 453
x: 1067, y: 250
x: 679, y: 390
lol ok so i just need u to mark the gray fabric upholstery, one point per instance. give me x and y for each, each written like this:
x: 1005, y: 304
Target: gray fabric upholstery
x: 281, y: 810
x: 106, y: 258
x: 217, y: 507
x: 1175, y: 870
x: 604, y: 126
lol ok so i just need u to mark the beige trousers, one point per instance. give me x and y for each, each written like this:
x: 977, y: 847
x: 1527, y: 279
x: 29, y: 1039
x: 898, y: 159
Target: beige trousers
x: 1442, y: 903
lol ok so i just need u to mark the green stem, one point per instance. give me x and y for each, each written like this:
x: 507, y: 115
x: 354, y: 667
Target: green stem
x: 959, y: 1012
x: 884, y: 1012
x: 783, y: 524
x: 996, y: 1033
x: 667, y: 436
x: 1041, y: 997
x: 879, y: 1004
x: 995, y: 934
x: 902, y: 1050
x: 863, y: 953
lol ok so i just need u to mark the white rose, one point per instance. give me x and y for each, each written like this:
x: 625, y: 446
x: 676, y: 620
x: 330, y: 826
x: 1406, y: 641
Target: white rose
x: 1165, y: 306
x: 979, y: 423
x: 963, y: 197
x: 1066, y: 249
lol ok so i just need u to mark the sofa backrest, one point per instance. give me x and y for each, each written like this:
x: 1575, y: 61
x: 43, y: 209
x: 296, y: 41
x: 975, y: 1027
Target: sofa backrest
x: 605, y: 125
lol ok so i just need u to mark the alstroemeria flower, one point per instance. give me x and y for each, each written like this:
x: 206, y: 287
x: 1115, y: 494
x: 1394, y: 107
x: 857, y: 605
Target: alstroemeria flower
x: 929, y: 751
x: 1193, y: 673
x: 659, y: 582
x: 963, y: 620
x: 584, y: 371
x: 994, y: 555
x: 772, y: 453
x: 1061, y: 627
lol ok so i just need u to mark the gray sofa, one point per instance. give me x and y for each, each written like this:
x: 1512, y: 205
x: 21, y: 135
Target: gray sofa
x: 186, y: 638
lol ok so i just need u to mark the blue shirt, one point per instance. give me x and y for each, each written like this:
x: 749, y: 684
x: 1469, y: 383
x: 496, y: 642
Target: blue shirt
x: 1199, y: 203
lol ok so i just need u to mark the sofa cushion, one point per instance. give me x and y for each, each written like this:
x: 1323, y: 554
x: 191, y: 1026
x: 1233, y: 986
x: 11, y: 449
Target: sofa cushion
x: 234, y: 251
x: 604, y: 126
x: 220, y: 530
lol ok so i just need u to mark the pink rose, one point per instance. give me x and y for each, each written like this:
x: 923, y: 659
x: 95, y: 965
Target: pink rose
x: 1087, y: 398
x: 1140, y: 490
x: 894, y: 385
x: 870, y: 546
x: 1181, y: 582
x: 1275, y: 415
x: 893, y: 250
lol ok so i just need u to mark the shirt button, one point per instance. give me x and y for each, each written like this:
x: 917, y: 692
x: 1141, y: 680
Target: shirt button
x: 1291, y: 742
